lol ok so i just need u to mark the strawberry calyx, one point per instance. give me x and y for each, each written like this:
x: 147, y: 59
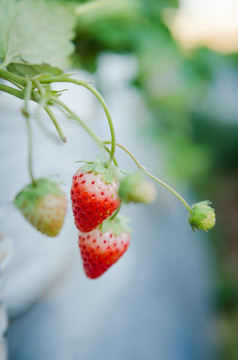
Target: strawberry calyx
x: 116, y: 225
x: 29, y: 195
x: 109, y: 174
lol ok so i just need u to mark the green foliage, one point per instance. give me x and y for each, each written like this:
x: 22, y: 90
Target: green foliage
x: 175, y: 84
x: 35, y: 32
x: 33, y: 70
x: 122, y: 26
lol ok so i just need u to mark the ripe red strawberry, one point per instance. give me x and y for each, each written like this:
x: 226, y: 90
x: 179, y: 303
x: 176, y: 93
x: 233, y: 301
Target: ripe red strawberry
x: 103, y: 246
x: 94, y: 196
x: 44, y: 205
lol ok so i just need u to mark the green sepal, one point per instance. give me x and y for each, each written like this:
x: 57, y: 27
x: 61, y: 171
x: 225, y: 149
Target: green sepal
x: 29, y: 195
x: 117, y: 225
x: 49, y: 93
x: 98, y: 166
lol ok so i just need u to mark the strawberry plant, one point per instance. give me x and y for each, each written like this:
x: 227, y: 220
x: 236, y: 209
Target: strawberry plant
x: 33, y: 53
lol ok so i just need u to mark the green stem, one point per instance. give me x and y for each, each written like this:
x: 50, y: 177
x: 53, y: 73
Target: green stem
x: 142, y: 168
x: 27, y: 97
x: 37, y: 82
x: 99, y: 97
x: 39, y: 87
x: 56, y: 124
x: 40, y: 98
x: 74, y: 116
x: 20, y: 94
x: 9, y: 76
x: 110, y: 122
x: 12, y: 91
x: 29, y: 135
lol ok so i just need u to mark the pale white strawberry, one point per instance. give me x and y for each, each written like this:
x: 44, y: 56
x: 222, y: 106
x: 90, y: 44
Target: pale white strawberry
x: 44, y: 205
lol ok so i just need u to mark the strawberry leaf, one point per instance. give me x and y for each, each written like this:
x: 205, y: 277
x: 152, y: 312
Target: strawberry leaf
x: 36, y: 32
x: 33, y: 70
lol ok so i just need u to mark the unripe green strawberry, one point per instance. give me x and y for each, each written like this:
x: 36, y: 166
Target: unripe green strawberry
x: 202, y: 216
x: 43, y: 204
x: 134, y: 188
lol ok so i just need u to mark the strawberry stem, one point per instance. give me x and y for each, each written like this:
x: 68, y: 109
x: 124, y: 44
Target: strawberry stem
x: 15, y: 79
x: 55, y: 122
x: 39, y: 87
x: 142, y: 168
x: 27, y: 97
x: 29, y: 134
x: 99, y: 97
x: 21, y: 83
x: 71, y: 114
x: 110, y: 122
x: 9, y: 90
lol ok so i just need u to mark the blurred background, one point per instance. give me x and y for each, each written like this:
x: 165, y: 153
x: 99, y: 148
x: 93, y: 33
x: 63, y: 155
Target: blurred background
x: 169, y: 73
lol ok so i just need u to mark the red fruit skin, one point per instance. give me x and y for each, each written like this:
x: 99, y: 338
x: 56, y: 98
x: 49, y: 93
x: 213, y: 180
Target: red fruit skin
x: 93, y: 200
x: 99, y: 251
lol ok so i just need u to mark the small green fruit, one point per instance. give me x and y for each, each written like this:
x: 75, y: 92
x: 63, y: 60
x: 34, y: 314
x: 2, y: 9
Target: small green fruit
x: 134, y: 188
x: 202, y: 216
